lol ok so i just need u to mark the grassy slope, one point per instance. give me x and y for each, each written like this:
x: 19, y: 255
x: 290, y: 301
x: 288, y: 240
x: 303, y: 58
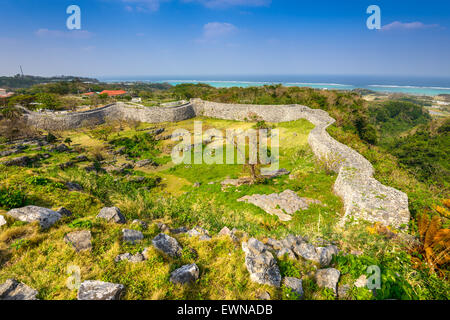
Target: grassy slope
x: 40, y: 258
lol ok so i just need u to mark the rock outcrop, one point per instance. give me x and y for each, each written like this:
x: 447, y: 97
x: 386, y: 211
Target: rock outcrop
x: 260, y: 263
x: 138, y: 257
x: 80, y: 240
x: 328, y: 278
x: 283, y: 205
x: 13, y: 290
x: 98, y: 290
x: 185, y: 274
x: 167, y: 244
x: 295, y: 284
x: 112, y: 214
x: 44, y: 216
x: 132, y: 236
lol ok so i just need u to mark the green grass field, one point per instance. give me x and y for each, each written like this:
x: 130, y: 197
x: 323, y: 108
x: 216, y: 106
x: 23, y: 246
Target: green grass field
x: 168, y: 195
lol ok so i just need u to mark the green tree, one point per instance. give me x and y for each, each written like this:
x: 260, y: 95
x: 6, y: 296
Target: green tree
x: 48, y: 100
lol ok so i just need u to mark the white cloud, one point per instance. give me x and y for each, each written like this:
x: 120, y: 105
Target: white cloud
x: 397, y: 25
x: 214, y: 31
x: 74, y: 34
x: 231, y: 3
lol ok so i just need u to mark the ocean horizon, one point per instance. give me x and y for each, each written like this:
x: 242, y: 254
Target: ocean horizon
x: 429, y: 86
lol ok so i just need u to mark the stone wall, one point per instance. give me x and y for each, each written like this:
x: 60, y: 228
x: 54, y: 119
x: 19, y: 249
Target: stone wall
x: 364, y: 197
x: 117, y: 111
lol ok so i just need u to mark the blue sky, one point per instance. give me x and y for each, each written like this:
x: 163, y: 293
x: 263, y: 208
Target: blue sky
x: 220, y: 37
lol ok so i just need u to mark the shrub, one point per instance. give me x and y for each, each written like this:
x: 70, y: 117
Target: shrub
x: 11, y: 198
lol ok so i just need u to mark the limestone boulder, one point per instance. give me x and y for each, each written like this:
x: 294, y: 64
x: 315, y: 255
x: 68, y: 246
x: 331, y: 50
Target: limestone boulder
x: 283, y: 205
x: 98, y: 290
x: 328, y: 278
x: 295, y: 285
x: 13, y: 290
x: 112, y: 214
x: 167, y: 245
x: 138, y: 257
x: 2, y: 220
x: 80, y: 240
x: 44, y: 216
x: 260, y: 263
x: 185, y: 274
x: 200, y: 233
x: 132, y: 236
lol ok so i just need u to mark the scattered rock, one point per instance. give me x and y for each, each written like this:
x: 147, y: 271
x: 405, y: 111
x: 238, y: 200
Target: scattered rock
x: 285, y: 251
x: 328, y: 278
x: 283, y: 205
x: 72, y: 186
x: 342, y: 291
x: 162, y: 226
x: 227, y: 232
x: 141, y: 223
x: 167, y: 244
x: 260, y: 263
x: 307, y: 251
x: 64, y: 212
x: 19, y: 161
x: 321, y: 255
x: 326, y: 254
x: 179, y: 230
x: 119, y: 169
x: 235, y: 182
x: 80, y: 240
x: 196, y: 185
x: 275, y: 173
x: 144, y: 163
x: 185, y: 274
x: 62, y: 148
x: 66, y: 165
x: 112, y: 214
x: 132, y: 236
x: 295, y: 285
x: 263, y: 296
x: 138, y: 257
x: 13, y: 290
x: 46, y: 217
x: 81, y: 158
x: 361, y: 282
x: 199, y: 232
x: 98, y: 290
x: 2, y: 220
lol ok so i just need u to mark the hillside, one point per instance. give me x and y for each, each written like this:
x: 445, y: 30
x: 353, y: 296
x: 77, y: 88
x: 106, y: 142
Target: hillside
x: 127, y: 164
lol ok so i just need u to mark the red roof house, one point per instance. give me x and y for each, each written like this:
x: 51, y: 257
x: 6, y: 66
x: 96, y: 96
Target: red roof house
x: 113, y: 93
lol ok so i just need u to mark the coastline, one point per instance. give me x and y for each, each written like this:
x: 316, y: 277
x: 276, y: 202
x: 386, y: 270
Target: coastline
x: 406, y: 88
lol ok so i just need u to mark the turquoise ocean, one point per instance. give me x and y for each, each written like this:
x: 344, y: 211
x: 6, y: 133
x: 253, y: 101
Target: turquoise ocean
x: 389, y: 84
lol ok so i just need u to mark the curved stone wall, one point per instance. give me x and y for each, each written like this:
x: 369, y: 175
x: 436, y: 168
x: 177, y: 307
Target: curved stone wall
x: 73, y: 120
x: 364, y: 197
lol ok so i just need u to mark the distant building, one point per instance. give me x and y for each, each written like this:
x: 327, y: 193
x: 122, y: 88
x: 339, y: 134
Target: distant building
x: 5, y: 94
x: 88, y: 93
x: 114, y: 93
x: 136, y: 100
